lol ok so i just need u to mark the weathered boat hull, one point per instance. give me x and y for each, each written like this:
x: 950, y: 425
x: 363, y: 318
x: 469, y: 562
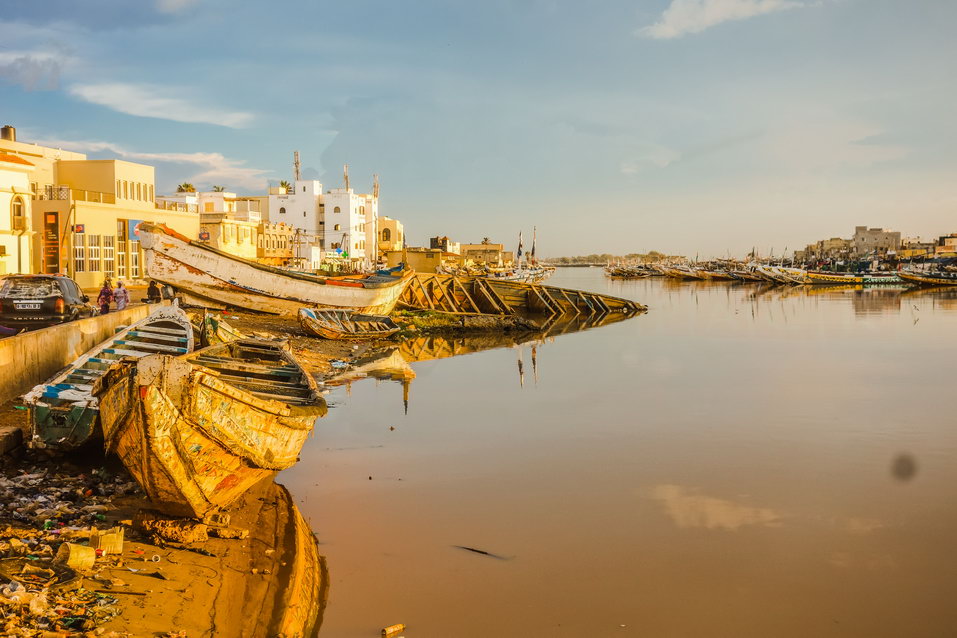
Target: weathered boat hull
x: 64, y: 414
x: 927, y: 279
x: 192, y: 441
x: 834, y: 279
x: 339, y: 324
x: 208, y: 274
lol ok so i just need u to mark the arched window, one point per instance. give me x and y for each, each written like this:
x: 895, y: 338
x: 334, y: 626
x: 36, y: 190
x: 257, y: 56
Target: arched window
x: 386, y: 234
x: 337, y: 210
x: 337, y: 227
x: 18, y: 214
x: 282, y: 211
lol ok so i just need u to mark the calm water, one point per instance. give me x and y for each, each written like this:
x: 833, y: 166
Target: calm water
x: 737, y: 462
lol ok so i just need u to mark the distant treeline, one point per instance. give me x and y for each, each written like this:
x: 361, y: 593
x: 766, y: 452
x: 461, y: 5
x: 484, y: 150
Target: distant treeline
x: 606, y: 258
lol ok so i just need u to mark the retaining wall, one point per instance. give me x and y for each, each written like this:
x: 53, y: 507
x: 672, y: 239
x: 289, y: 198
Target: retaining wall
x: 33, y: 357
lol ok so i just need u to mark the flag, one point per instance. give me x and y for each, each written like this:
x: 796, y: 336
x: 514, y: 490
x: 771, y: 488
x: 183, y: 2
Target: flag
x: 518, y: 255
x: 534, y: 234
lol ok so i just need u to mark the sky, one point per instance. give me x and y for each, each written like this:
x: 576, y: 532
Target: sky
x: 684, y: 126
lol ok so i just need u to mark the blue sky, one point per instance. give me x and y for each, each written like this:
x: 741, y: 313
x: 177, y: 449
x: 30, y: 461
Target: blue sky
x: 687, y: 126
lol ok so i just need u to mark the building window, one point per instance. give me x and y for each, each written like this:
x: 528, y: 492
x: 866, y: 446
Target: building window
x: 79, y: 252
x: 337, y: 227
x: 119, y: 188
x: 108, y: 256
x: 282, y: 211
x: 139, y: 191
x: 126, y: 189
x: 93, y: 253
x: 18, y: 215
x: 151, y: 193
x: 362, y: 210
x: 134, y: 260
x: 386, y: 234
x: 337, y: 210
x: 208, y: 207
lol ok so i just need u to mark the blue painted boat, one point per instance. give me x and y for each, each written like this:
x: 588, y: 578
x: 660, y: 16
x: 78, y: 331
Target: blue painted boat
x: 64, y: 414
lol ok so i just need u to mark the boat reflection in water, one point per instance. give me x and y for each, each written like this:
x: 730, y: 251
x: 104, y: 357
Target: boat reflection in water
x: 285, y: 590
x: 393, y: 364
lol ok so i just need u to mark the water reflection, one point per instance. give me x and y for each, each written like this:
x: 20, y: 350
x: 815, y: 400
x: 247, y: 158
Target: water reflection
x: 287, y: 588
x: 689, y: 509
x: 393, y: 363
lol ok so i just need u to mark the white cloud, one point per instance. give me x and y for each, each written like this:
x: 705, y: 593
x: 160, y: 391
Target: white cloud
x: 209, y: 168
x: 693, y: 16
x: 146, y: 100
x: 649, y: 156
x: 173, y: 6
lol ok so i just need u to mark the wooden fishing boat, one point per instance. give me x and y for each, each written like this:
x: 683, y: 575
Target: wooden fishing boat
x: 343, y: 324
x: 834, y: 279
x: 214, y: 331
x: 929, y: 278
x: 196, y: 431
x: 64, y: 414
x: 207, y: 274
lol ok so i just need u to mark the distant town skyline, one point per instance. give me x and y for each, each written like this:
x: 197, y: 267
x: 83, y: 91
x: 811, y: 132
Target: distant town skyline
x: 680, y: 126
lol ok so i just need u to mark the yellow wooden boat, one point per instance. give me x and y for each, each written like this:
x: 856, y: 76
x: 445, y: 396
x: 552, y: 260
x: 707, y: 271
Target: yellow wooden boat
x: 834, y: 279
x: 196, y: 431
x: 929, y: 278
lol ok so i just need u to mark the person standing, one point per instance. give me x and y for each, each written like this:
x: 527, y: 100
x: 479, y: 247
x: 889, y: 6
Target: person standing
x: 121, y: 295
x: 105, y: 298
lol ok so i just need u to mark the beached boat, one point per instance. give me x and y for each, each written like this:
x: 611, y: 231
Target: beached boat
x: 214, y: 331
x: 196, y: 431
x: 343, y: 324
x: 929, y: 278
x: 834, y: 278
x: 205, y: 273
x: 64, y: 414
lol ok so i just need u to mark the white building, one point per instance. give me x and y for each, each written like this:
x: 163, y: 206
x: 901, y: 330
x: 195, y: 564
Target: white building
x: 16, y: 234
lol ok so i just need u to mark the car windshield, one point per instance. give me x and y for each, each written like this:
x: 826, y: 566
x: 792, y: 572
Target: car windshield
x: 33, y: 288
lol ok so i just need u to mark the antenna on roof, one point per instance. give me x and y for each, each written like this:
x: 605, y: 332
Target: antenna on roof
x: 345, y: 174
x: 296, y: 165
x: 375, y: 185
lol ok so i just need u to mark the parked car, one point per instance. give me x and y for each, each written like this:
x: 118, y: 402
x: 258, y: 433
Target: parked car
x: 37, y: 301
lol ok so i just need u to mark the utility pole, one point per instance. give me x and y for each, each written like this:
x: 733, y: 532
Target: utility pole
x: 345, y: 174
x: 296, y: 166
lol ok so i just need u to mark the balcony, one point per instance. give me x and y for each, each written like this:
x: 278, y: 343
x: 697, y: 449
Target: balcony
x: 181, y: 207
x: 56, y: 192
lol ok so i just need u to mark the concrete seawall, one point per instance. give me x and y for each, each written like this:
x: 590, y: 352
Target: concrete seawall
x: 33, y: 357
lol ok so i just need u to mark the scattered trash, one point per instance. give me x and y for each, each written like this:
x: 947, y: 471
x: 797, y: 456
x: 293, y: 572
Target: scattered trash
x: 109, y: 541
x: 482, y: 552
x: 392, y: 630
x: 78, y: 557
x: 171, y: 529
x: 338, y: 364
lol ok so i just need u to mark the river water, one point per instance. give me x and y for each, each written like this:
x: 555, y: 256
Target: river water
x: 740, y: 461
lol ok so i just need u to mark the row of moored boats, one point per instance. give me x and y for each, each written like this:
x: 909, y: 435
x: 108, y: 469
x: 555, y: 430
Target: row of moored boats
x: 758, y: 272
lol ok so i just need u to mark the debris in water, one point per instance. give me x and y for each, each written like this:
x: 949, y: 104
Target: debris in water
x: 482, y: 552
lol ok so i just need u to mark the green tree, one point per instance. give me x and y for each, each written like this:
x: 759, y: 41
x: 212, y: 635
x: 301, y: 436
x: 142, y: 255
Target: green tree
x: 219, y: 189
x: 285, y: 185
x: 185, y: 187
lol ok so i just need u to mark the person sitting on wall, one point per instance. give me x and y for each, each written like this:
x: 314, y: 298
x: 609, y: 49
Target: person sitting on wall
x: 153, y: 294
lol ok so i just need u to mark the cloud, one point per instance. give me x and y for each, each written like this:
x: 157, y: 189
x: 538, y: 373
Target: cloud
x: 693, y: 16
x: 689, y: 509
x: 173, y: 6
x: 649, y: 156
x: 31, y: 70
x: 146, y: 100
x: 210, y: 168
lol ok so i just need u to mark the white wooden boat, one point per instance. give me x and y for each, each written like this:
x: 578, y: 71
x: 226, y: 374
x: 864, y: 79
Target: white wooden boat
x: 205, y: 273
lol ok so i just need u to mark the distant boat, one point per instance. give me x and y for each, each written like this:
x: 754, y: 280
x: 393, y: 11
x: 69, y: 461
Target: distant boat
x: 64, y: 414
x: 929, y: 278
x: 212, y: 277
x: 343, y: 324
x: 196, y: 431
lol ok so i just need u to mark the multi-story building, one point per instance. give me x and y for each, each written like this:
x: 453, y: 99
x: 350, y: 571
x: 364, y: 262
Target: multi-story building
x: 446, y: 244
x: 486, y: 253
x: 391, y: 235
x: 16, y: 217
x: 86, y: 212
x: 275, y: 246
x: 875, y: 241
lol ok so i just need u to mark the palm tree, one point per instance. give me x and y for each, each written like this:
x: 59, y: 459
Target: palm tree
x: 185, y: 187
x: 285, y: 185
x: 219, y: 189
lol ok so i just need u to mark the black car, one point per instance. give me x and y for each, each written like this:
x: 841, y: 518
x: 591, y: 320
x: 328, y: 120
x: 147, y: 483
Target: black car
x: 37, y: 301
